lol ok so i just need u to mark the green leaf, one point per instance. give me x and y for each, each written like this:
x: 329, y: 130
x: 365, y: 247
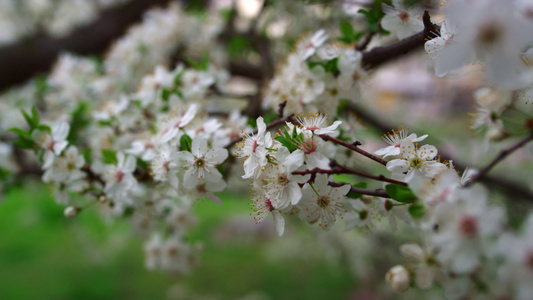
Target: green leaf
x: 29, y: 120
x: 165, y: 94
x: 41, y: 85
x: 312, y: 64
x: 355, y: 195
x: 142, y: 164
x: 44, y: 128
x: 87, y: 155
x: 24, y: 143
x: 331, y: 66
x: 400, y: 193
x: 286, y: 143
x: 185, y: 143
x: 35, y: 115
x: 109, y: 156
x: 238, y: 46
x: 80, y: 120
x: 417, y: 211
x: 200, y: 65
x: 346, y: 29
x: 374, y: 15
x: 21, y: 133
x: 177, y: 78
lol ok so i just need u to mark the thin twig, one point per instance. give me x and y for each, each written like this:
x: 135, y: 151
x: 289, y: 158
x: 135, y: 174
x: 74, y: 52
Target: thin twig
x: 353, y: 147
x: 344, y: 170
x: 503, y: 154
x: 367, y: 39
x: 378, y: 192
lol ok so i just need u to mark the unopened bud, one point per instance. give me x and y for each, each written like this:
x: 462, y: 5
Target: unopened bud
x: 496, y: 134
x: 102, y: 199
x: 367, y: 199
x: 398, y: 278
x: 71, y: 211
x: 493, y: 99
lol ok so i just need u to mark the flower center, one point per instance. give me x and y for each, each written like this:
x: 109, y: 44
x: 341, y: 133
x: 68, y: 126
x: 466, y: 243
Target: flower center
x: 489, y: 34
x: 269, y: 205
x: 404, y: 16
x: 323, y: 201
x: 468, y: 226
x: 309, y: 147
x: 283, y: 180
x: 201, y: 188
x: 120, y: 175
x: 416, y: 163
x: 254, y: 146
x: 200, y: 162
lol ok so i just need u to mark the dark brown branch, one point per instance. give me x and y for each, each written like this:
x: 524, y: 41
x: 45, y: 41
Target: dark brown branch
x: 378, y: 193
x: 21, y: 61
x: 344, y: 170
x: 354, y: 147
x: 503, y: 154
x: 347, y: 170
x: 380, y: 55
x: 366, y: 39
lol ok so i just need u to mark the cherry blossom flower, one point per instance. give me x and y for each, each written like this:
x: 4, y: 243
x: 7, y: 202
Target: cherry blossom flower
x: 176, y: 120
x: 53, y: 143
x: 308, y: 45
x: 322, y: 203
x: 412, y: 157
x: 460, y: 228
x: 200, y: 164
x: 119, y: 178
x: 314, y: 123
x: 165, y: 165
x: 262, y: 206
x: 395, y: 139
x: 282, y: 188
x: 445, y: 53
x: 253, y: 149
x: 402, y: 20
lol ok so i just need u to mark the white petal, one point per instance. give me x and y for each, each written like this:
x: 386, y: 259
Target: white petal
x: 217, y: 156
x: 129, y: 165
x: 279, y: 222
x: 398, y: 166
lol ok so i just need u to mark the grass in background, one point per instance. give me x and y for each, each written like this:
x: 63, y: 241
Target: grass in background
x: 43, y: 255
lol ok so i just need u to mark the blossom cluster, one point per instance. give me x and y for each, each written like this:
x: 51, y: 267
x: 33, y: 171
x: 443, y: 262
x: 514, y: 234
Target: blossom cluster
x: 140, y: 136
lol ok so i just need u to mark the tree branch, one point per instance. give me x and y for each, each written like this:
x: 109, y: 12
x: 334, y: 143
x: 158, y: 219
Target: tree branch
x: 503, y: 154
x: 21, y: 61
x: 353, y: 147
x: 380, y: 55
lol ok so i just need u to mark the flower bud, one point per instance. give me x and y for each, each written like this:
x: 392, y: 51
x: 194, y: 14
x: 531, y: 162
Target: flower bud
x: 71, y: 211
x: 398, y: 278
x: 497, y: 134
x: 493, y: 99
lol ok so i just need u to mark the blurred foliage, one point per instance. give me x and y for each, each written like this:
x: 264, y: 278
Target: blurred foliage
x: 90, y: 258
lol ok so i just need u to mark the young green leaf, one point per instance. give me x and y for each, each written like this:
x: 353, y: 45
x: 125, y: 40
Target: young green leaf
x: 109, y: 156
x: 185, y: 142
x: 416, y: 211
x: 400, y: 193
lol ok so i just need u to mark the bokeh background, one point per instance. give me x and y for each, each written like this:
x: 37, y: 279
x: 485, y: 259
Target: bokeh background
x: 44, y: 255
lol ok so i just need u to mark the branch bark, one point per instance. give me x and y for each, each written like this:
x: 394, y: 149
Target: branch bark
x: 21, y: 61
x: 380, y: 55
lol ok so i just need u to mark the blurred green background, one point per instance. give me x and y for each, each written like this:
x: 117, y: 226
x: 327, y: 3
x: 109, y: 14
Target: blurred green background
x: 44, y: 255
